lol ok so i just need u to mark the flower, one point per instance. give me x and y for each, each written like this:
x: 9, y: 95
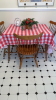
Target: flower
x: 31, y: 21
x: 28, y: 18
x: 27, y: 22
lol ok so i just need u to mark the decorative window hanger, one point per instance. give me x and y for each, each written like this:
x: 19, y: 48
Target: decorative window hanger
x: 36, y: 2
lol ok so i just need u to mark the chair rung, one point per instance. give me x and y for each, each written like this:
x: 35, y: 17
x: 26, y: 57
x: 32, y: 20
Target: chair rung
x: 11, y: 52
x: 28, y: 57
x: 41, y: 52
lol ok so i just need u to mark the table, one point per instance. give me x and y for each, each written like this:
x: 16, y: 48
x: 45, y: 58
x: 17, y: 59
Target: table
x: 9, y: 39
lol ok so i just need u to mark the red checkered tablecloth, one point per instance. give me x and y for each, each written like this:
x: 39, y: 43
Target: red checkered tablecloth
x: 9, y: 39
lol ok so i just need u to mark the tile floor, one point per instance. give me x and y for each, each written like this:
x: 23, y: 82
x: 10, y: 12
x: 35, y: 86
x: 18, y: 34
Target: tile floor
x: 30, y: 82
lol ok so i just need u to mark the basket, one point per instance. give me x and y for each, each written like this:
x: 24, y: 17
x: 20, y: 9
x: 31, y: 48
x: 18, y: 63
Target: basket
x: 28, y: 27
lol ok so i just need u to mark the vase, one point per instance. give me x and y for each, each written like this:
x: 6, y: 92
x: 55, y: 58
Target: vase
x: 28, y: 27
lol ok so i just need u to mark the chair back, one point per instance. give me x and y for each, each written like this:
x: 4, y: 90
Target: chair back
x: 52, y: 27
x: 27, y: 44
x: 2, y: 27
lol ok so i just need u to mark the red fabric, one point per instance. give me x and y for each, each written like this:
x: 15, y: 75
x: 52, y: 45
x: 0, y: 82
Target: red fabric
x: 9, y: 39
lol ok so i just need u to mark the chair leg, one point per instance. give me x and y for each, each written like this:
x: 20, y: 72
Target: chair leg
x: 21, y: 59
x: 42, y: 48
x: 8, y: 53
x: 12, y: 48
x: 36, y: 54
x: 4, y: 52
x: 46, y: 47
x: 35, y: 60
x: 51, y: 54
x: 19, y: 55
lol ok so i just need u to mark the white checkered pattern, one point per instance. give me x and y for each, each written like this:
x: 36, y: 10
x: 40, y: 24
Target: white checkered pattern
x: 9, y: 39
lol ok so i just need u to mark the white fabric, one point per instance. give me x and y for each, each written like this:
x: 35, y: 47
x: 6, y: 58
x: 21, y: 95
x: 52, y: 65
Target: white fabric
x: 5, y: 47
x: 43, y: 45
x: 55, y: 38
x: 50, y: 49
x: 0, y: 37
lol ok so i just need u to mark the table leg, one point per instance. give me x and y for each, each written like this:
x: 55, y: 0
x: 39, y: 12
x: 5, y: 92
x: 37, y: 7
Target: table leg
x: 51, y: 54
x: 4, y: 52
x: 8, y: 53
x: 46, y: 48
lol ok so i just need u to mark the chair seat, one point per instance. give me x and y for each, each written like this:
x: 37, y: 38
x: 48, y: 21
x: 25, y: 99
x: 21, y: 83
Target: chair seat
x: 27, y: 51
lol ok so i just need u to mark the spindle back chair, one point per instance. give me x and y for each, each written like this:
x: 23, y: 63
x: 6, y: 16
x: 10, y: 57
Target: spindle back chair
x: 52, y: 27
x: 2, y: 27
x: 27, y: 45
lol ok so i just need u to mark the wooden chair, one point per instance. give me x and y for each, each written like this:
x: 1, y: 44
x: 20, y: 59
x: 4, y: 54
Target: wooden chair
x: 23, y: 48
x: 2, y: 29
x: 52, y: 27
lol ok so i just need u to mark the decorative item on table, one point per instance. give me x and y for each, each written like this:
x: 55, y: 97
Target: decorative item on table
x: 17, y: 22
x: 28, y: 23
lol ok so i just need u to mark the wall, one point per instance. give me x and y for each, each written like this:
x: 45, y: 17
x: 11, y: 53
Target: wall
x: 9, y: 15
x: 41, y: 17
x: 8, y: 3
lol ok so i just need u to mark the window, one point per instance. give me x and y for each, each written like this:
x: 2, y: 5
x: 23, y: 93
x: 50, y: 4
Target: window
x: 35, y: 2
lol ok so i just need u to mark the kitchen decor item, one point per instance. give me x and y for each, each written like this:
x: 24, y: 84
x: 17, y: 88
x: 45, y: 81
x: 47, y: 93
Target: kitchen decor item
x: 28, y: 23
x: 17, y: 22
